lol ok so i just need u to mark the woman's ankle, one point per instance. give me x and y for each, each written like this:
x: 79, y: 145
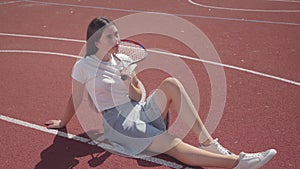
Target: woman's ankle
x: 207, y: 142
x: 236, y: 162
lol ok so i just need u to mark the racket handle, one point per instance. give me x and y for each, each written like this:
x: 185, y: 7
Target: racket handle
x: 125, y: 73
x: 124, y: 77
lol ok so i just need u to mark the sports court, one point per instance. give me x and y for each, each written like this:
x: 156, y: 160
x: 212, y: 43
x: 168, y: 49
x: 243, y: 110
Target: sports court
x: 257, y: 42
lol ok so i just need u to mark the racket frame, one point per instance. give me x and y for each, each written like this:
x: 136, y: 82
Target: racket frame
x: 124, y: 77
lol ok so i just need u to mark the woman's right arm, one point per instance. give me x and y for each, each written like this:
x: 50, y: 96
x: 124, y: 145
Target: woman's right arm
x: 74, y: 101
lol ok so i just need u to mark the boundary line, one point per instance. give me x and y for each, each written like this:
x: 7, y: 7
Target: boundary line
x: 154, y: 51
x: 231, y: 67
x: 40, y: 52
x: 286, y: 1
x: 161, y: 13
x: 82, y: 140
x: 11, y: 2
x: 41, y: 37
x: 241, y: 9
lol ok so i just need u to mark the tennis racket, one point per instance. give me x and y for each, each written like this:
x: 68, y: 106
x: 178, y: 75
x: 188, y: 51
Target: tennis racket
x: 134, y: 52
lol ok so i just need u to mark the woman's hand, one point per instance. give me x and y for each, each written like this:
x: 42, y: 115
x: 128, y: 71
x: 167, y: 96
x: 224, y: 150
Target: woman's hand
x: 70, y: 109
x: 54, y: 124
x: 135, y: 93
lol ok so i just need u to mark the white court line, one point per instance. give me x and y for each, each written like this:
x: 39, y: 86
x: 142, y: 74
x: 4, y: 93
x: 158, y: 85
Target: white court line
x: 40, y: 52
x: 160, y: 13
x: 10, y: 2
x: 240, y: 9
x: 291, y: 1
x: 232, y: 67
x: 154, y: 51
x: 82, y: 140
x: 41, y: 37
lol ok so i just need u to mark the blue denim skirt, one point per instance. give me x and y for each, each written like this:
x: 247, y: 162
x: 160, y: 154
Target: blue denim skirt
x: 131, y: 127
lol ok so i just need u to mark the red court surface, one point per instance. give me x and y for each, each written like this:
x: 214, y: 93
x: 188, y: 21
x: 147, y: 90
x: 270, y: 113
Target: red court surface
x: 257, y: 42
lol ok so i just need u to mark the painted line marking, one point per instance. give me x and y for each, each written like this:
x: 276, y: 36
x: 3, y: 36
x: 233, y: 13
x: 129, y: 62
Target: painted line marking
x: 160, y: 13
x: 40, y: 52
x: 41, y: 37
x: 291, y: 1
x: 240, y: 9
x: 231, y: 67
x: 154, y: 51
x: 10, y: 2
x: 82, y: 140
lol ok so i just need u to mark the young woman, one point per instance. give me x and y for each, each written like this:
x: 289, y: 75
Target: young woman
x: 138, y: 127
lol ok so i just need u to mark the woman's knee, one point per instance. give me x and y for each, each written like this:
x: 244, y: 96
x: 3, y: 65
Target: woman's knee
x: 171, y: 83
x: 171, y: 80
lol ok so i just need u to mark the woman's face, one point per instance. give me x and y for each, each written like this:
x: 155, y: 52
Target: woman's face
x: 109, y: 40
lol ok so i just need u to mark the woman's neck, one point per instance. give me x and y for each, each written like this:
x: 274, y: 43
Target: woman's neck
x: 104, y: 58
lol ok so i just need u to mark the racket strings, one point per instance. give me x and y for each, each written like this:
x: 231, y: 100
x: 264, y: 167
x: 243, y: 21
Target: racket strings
x: 133, y: 51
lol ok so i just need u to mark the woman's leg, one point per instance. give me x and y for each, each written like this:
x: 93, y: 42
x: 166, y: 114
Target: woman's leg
x: 189, y: 154
x: 172, y: 91
x: 197, y: 157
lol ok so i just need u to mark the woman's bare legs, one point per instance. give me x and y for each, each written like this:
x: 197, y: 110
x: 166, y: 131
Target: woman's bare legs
x: 172, y: 91
x: 197, y: 157
x: 189, y: 154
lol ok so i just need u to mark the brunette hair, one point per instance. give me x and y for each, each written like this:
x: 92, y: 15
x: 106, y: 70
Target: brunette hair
x: 94, y: 32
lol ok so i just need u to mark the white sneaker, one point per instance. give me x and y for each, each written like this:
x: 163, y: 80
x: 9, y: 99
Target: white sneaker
x: 255, y: 160
x: 216, y: 147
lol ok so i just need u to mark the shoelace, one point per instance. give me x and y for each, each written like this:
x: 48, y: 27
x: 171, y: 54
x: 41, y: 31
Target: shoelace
x: 222, y: 149
x: 252, y: 155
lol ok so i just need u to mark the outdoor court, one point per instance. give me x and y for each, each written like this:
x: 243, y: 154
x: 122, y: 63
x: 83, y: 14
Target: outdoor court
x: 257, y: 42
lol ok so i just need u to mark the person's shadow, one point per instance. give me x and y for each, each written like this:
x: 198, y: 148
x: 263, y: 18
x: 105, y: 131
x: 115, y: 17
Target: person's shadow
x: 63, y: 152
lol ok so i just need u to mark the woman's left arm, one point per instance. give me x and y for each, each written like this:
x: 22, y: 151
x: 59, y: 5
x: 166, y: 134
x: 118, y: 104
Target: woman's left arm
x: 135, y: 93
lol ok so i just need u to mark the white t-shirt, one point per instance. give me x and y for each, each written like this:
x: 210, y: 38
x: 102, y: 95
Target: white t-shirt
x: 102, y: 81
